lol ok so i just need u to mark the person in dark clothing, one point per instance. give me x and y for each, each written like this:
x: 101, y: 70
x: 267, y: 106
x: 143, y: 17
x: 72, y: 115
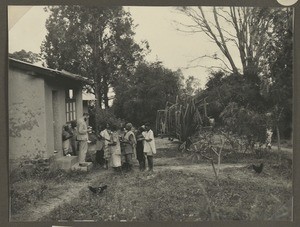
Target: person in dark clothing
x: 73, y: 141
x: 140, y: 148
x: 99, y: 148
x: 66, y: 135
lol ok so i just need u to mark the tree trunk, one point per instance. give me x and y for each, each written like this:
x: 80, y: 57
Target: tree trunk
x: 219, y: 162
x: 216, y: 174
x: 98, y: 103
x: 105, y: 92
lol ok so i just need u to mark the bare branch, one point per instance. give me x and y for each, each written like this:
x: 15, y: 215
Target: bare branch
x: 208, y: 67
x: 226, y: 51
x: 225, y: 18
x: 215, y: 57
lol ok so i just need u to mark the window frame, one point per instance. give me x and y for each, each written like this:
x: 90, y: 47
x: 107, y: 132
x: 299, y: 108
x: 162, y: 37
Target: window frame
x: 70, y: 106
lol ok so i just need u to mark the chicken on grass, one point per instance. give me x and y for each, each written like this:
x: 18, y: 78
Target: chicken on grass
x: 258, y: 169
x: 97, y: 190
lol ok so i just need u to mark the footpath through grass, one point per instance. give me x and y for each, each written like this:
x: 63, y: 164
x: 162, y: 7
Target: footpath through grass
x: 178, y: 190
x: 180, y: 195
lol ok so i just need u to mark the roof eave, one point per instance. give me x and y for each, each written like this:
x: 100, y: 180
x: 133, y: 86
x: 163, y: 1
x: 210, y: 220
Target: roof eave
x: 47, y: 71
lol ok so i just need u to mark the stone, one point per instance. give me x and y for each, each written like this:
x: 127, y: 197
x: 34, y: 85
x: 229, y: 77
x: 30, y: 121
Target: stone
x: 66, y: 162
x: 85, y: 167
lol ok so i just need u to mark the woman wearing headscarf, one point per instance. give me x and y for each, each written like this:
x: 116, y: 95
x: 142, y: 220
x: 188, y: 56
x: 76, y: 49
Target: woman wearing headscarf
x: 115, y: 149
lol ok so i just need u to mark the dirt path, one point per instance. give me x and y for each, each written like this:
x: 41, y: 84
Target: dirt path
x: 42, y: 208
x: 198, y: 167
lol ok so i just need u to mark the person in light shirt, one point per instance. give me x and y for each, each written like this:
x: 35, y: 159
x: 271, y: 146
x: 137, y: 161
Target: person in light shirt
x: 105, y: 135
x: 149, y: 145
x: 82, y: 137
x: 115, y: 149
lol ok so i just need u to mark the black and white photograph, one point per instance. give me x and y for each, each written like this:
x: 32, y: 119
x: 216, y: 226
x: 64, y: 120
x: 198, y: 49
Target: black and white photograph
x: 150, y: 113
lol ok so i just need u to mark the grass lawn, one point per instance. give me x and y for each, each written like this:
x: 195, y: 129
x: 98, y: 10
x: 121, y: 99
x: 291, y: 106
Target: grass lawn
x: 178, y: 190
x: 180, y: 196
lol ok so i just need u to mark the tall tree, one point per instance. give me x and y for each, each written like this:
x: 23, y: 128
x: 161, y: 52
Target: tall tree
x: 96, y: 42
x: 277, y: 76
x: 146, y: 92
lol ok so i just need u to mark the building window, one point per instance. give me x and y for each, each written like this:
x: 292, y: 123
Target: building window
x: 70, y: 105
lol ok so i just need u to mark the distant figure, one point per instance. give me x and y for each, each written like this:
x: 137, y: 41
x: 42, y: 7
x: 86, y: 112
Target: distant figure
x: 129, y: 143
x: 269, y: 138
x: 105, y: 135
x: 163, y: 127
x: 73, y: 139
x: 66, y: 135
x: 211, y: 121
x: 115, y: 149
x: 149, y: 146
x: 82, y: 137
x: 140, y: 148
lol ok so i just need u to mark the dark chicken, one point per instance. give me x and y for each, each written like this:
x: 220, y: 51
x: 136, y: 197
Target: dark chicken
x: 97, y: 190
x: 258, y: 169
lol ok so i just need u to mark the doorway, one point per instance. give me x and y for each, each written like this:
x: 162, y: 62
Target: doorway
x: 55, y: 117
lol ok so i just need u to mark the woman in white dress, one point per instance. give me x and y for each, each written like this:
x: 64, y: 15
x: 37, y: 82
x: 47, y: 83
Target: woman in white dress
x: 115, y: 149
x: 106, y: 140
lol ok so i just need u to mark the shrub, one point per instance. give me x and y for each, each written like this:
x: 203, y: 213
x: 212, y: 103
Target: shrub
x: 246, y: 124
x: 104, y: 117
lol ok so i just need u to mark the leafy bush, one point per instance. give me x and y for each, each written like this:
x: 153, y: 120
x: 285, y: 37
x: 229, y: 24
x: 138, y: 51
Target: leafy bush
x: 105, y: 116
x: 245, y: 123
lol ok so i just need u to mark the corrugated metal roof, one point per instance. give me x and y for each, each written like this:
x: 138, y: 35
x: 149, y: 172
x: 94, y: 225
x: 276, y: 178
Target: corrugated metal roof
x: 47, y: 71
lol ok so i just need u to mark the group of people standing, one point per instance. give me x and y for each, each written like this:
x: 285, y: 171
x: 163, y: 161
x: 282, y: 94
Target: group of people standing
x: 116, y: 146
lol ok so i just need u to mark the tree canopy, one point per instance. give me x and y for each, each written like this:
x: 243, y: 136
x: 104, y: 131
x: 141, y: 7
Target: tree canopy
x: 23, y: 55
x: 151, y: 86
x: 96, y: 42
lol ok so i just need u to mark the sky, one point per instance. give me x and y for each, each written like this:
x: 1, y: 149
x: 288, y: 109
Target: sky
x: 157, y: 25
